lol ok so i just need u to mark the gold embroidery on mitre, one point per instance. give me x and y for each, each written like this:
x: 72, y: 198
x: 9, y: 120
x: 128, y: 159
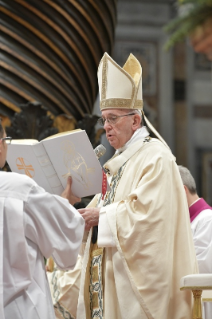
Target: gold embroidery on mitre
x: 104, y: 77
x: 133, y: 68
x: 121, y: 103
x: 134, y: 101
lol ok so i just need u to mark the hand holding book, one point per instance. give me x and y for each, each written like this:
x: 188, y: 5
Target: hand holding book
x: 67, y: 193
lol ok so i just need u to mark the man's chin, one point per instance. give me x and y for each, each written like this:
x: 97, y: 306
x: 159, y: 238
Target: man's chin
x: 113, y: 144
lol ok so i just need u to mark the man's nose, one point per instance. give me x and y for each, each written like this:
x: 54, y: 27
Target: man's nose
x: 107, y: 124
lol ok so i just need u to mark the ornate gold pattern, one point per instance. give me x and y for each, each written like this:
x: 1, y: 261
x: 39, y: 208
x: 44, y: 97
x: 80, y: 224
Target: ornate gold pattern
x: 96, y: 287
x: 121, y: 103
x: 109, y: 198
x: 104, y: 78
x: 134, y: 101
x: 76, y: 164
x: 62, y: 311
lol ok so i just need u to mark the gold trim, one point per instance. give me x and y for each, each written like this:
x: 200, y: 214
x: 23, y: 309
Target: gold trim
x: 196, y: 287
x: 97, y: 252
x: 59, y: 309
x: 121, y: 103
x: 110, y: 195
x: 197, y: 307
x: 136, y: 93
x: 207, y: 299
x: 104, y: 78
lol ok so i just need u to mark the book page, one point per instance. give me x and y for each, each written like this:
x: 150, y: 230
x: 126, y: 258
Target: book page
x: 61, y: 134
x: 48, y: 169
x: 72, y: 154
x: 22, y: 160
x: 25, y: 142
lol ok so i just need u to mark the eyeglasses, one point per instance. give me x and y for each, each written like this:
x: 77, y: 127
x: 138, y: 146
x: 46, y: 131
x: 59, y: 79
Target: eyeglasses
x: 111, y: 119
x: 6, y: 139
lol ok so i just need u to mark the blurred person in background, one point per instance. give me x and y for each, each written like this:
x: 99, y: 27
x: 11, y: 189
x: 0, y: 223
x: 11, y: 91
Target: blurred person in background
x: 201, y: 225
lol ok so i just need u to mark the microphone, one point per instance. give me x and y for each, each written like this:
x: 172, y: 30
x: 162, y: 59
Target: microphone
x: 100, y: 150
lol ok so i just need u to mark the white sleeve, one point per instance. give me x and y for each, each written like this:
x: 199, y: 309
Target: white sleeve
x: 105, y: 238
x: 54, y: 225
x: 203, y: 243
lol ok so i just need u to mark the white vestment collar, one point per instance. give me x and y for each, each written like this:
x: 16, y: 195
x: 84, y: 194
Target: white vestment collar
x: 140, y: 133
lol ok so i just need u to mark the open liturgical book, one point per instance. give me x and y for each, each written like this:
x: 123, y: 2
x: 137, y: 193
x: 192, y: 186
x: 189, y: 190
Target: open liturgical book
x: 50, y: 161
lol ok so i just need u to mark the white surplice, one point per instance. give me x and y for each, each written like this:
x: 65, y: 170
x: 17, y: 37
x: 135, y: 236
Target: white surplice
x: 33, y: 224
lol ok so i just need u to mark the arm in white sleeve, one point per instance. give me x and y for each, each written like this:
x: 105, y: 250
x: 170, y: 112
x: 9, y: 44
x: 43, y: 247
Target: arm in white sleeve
x: 203, y: 243
x: 105, y: 237
x: 54, y: 225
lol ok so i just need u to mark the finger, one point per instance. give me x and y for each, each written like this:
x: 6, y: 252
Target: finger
x: 77, y: 199
x: 87, y: 226
x: 81, y: 210
x: 84, y: 216
x: 69, y: 181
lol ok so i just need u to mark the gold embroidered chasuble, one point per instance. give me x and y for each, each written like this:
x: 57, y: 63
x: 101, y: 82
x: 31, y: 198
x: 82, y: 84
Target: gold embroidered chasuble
x: 149, y: 221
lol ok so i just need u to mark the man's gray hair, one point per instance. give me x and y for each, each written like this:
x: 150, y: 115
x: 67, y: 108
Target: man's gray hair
x: 136, y: 111
x: 187, y: 179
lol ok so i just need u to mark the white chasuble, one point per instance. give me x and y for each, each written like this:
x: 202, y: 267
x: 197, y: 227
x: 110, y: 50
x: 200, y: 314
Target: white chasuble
x: 149, y: 246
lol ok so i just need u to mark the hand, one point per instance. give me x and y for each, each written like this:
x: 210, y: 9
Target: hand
x: 50, y: 264
x: 90, y: 215
x: 67, y: 193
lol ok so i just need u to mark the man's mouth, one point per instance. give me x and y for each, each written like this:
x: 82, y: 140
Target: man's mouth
x: 109, y: 135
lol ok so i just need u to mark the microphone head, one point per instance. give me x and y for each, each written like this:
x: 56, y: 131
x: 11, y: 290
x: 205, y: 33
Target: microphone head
x: 100, y: 150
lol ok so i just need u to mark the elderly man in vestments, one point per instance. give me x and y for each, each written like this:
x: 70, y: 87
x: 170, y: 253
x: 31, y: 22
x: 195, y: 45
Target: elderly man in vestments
x: 201, y: 225
x: 134, y: 259
x: 33, y: 224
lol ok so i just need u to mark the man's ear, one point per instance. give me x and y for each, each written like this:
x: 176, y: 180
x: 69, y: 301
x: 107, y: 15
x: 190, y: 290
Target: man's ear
x: 186, y: 189
x: 136, y: 121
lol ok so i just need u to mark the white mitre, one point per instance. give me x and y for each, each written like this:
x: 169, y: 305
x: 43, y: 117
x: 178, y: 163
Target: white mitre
x: 122, y: 87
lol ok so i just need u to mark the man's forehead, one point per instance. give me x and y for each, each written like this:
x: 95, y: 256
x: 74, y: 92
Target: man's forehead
x: 110, y: 112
